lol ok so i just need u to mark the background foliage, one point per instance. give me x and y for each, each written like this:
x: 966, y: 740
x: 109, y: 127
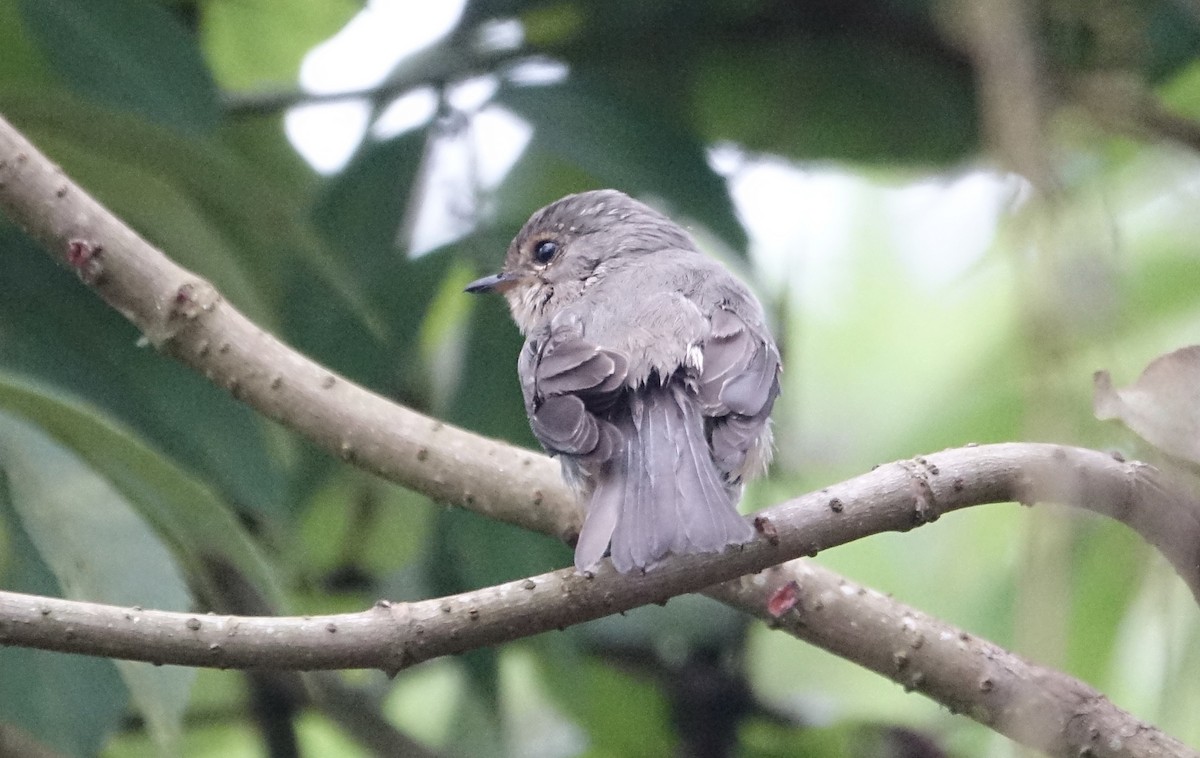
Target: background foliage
x: 126, y: 479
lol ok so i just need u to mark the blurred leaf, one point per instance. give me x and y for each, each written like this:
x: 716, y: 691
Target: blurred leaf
x: 22, y: 64
x: 424, y: 699
x: 1102, y: 590
x: 672, y: 631
x: 631, y: 149
x: 148, y: 200
x: 206, y: 208
x: 846, y: 99
x: 213, y: 214
x: 99, y: 550
x: 539, y: 177
x: 202, y: 531
x: 1153, y: 38
x: 769, y: 739
x: 477, y: 730
x: 72, y: 703
x: 359, y: 523
x: 488, y: 396
x: 359, y: 212
x: 54, y: 329
x: 127, y: 53
x: 262, y: 144
x: 487, y: 399
x: 844, y: 739
x: 247, y: 45
x: 622, y: 714
x: 469, y: 551
x: 1162, y: 406
x: 1172, y: 37
x: 1165, y: 284
x: 848, y: 81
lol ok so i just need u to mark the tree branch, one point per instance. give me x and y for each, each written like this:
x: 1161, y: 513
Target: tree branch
x: 1012, y: 101
x: 1125, y: 105
x: 1034, y: 705
x: 184, y: 316
x: 1031, y: 704
x: 392, y: 636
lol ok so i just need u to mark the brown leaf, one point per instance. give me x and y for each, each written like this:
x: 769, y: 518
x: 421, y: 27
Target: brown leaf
x: 1162, y: 406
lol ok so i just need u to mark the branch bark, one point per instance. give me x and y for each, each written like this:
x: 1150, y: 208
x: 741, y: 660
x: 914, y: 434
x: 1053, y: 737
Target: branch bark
x: 1031, y: 704
x: 894, y: 497
x: 184, y: 316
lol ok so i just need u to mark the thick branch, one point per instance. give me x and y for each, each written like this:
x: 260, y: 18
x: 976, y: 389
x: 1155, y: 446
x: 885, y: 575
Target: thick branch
x: 895, y: 497
x: 1033, y: 705
x: 185, y: 317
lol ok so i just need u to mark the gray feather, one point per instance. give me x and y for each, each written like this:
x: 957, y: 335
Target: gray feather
x: 757, y: 384
x: 603, y: 511
x: 571, y: 367
x: 674, y: 499
x: 564, y: 426
x: 566, y: 382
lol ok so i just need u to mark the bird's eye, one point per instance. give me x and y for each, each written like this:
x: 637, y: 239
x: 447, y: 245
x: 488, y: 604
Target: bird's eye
x: 545, y: 250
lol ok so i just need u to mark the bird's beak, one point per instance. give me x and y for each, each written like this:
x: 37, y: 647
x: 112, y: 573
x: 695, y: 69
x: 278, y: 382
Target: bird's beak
x: 501, y: 282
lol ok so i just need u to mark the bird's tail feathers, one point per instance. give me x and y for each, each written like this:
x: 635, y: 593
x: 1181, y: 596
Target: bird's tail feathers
x: 661, y: 493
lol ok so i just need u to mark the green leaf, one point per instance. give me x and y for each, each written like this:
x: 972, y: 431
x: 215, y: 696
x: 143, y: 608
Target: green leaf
x: 99, y: 549
x: 360, y: 212
x: 201, y: 529
x: 361, y: 209
x: 1103, y: 591
x: 72, y: 703
x: 150, y: 200
x: 622, y: 714
x: 207, y: 207
x: 1156, y: 38
x: 362, y: 533
x: 53, y: 328
x: 844, y: 99
x: 131, y: 54
x: 214, y: 213
x: 810, y: 81
x: 247, y: 45
x: 262, y: 145
x: 22, y: 63
x: 539, y: 177
x: 489, y: 399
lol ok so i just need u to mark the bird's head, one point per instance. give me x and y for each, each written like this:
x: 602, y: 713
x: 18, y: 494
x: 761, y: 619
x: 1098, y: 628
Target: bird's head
x: 565, y: 245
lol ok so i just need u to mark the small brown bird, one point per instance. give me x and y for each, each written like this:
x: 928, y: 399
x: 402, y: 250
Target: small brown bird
x: 647, y: 370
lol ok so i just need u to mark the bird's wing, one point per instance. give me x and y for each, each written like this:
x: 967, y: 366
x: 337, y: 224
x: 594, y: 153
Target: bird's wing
x: 737, y: 385
x: 566, y: 381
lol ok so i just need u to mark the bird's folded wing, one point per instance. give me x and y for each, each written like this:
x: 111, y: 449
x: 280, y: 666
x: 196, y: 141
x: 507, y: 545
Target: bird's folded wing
x: 566, y: 381
x: 737, y: 386
x: 578, y: 366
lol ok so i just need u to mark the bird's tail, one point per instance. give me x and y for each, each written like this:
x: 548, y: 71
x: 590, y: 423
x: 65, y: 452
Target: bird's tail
x: 661, y: 493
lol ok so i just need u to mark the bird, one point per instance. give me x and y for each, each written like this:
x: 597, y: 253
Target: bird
x: 647, y: 370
